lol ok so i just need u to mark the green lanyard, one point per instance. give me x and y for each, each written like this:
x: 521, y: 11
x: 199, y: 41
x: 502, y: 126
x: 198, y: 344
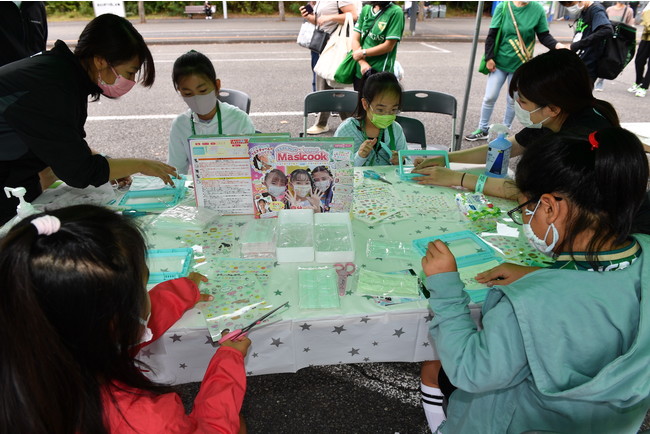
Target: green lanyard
x: 218, y: 121
x: 391, y: 143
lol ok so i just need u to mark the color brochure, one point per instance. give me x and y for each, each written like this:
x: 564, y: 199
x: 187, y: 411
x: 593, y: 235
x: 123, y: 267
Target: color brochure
x: 301, y: 173
x: 221, y: 171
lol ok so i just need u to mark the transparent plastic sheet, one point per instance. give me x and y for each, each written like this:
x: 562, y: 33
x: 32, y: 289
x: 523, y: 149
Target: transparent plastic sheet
x: 258, y: 239
x: 513, y: 246
x: 183, y: 217
x: 332, y: 237
x: 380, y: 249
x: 384, y: 285
x: 476, y: 206
x: 295, y: 235
x: 317, y: 288
x: 64, y: 195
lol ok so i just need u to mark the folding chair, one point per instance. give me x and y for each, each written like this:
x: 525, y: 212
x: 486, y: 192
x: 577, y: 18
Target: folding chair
x: 433, y: 102
x: 236, y: 98
x: 413, y: 130
x: 331, y: 100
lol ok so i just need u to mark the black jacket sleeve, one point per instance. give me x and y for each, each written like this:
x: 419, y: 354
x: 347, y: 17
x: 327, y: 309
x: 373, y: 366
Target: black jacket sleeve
x: 490, y: 40
x: 599, y: 34
x: 547, y: 40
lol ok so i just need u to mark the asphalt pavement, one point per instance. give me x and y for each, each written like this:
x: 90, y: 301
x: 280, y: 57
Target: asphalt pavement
x: 363, y: 398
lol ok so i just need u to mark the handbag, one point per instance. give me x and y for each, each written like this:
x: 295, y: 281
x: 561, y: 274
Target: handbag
x: 618, y: 51
x: 337, y: 48
x: 319, y: 39
x: 482, y: 66
x: 305, y: 34
x: 527, y: 55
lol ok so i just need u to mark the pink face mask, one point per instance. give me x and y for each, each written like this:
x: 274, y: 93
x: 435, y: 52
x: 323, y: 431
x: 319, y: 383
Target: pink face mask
x: 120, y: 87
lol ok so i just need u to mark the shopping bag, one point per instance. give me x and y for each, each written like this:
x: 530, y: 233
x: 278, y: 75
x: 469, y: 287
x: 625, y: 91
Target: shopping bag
x: 319, y: 40
x: 618, y: 52
x: 305, y: 34
x: 482, y: 66
x: 337, y: 48
x: 347, y: 69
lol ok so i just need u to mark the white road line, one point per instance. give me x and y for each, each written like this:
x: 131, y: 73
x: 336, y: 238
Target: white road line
x: 440, y: 50
x: 143, y: 117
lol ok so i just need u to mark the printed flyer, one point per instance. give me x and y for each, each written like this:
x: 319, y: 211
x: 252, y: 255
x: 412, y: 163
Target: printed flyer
x: 221, y: 172
x: 307, y: 173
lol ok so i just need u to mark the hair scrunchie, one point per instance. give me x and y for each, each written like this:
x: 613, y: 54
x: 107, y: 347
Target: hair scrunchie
x: 47, y: 224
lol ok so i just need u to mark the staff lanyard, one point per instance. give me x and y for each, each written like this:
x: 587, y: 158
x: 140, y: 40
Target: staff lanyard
x: 391, y: 143
x: 218, y: 121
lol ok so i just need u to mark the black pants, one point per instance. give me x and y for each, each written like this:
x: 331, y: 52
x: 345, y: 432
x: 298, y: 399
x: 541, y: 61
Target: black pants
x: 445, y: 387
x: 640, y: 61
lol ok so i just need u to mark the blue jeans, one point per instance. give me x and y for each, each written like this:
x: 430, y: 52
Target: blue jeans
x: 492, y: 89
x: 314, y: 60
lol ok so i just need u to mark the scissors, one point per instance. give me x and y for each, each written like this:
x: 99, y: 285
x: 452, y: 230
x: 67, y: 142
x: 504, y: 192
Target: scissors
x: 344, y: 270
x: 240, y: 333
x: 374, y: 175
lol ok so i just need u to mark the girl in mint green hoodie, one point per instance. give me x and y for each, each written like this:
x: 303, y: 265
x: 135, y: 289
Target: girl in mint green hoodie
x: 563, y: 349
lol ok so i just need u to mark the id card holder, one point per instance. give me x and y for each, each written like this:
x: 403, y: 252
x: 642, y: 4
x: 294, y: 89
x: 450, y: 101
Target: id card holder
x: 404, y: 171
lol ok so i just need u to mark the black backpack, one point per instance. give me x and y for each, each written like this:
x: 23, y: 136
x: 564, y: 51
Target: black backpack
x: 619, y: 51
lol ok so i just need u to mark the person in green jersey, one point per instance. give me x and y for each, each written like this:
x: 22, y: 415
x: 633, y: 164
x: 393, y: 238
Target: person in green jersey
x: 376, y: 35
x: 505, y: 55
x: 564, y: 348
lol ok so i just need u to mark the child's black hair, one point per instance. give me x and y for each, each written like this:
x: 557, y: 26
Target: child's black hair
x: 278, y: 172
x: 605, y: 182
x: 193, y: 63
x: 375, y: 84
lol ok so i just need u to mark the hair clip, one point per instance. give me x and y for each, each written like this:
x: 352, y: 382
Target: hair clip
x: 47, y: 224
x: 593, y: 141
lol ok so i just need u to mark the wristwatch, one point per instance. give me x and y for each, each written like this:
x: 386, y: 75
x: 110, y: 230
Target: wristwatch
x: 363, y: 52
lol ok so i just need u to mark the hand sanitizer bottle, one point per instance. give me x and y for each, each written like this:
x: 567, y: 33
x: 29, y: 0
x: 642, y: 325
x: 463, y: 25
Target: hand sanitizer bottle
x: 23, y: 210
x: 498, y: 154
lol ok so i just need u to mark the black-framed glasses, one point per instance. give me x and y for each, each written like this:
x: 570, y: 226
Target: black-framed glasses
x: 516, y: 214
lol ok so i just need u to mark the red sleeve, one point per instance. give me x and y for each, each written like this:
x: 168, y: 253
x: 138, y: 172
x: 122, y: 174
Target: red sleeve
x: 169, y: 301
x: 220, y: 398
x: 216, y: 407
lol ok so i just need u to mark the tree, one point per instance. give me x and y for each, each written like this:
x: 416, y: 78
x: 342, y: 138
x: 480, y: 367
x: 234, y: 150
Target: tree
x: 281, y: 10
x: 143, y: 19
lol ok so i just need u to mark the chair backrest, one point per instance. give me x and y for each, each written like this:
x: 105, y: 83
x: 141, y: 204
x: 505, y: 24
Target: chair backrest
x: 237, y: 98
x: 433, y: 102
x: 413, y: 130
x: 331, y: 100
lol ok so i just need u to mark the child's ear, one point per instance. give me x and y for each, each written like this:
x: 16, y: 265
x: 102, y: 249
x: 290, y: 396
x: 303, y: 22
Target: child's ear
x: 553, y: 209
x: 364, y: 104
x: 217, y: 85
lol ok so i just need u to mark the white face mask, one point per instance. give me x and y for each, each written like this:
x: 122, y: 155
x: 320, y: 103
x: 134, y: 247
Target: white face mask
x: 201, y: 104
x: 322, y: 185
x: 523, y: 116
x: 147, y: 335
x: 302, y: 190
x: 535, y: 241
x: 276, y: 190
x: 574, y: 10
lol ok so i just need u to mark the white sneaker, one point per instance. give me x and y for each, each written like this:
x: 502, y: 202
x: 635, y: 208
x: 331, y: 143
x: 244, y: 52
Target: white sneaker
x: 640, y: 92
x: 599, y: 85
x: 317, y: 129
x: 633, y: 88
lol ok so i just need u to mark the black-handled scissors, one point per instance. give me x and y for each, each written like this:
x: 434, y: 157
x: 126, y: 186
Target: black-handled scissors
x: 240, y: 333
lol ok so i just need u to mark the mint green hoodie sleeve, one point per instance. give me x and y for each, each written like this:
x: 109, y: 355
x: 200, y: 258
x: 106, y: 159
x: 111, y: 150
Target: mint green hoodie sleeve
x: 475, y: 360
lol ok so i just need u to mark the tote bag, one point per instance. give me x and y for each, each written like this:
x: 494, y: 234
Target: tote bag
x: 619, y: 50
x: 305, y: 34
x: 339, y: 45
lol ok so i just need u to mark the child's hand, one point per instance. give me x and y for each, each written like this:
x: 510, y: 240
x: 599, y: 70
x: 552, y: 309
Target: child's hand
x: 438, y: 259
x: 315, y: 199
x: 291, y: 197
x: 197, y: 278
x: 366, y: 147
x: 394, y: 159
x: 504, y: 274
x: 241, y: 344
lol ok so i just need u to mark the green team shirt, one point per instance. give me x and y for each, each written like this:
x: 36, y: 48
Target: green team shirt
x: 531, y: 19
x: 608, y: 261
x: 390, y: 25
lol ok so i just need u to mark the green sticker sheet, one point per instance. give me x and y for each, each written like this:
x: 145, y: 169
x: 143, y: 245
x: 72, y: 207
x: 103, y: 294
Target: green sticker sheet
x: 217, y: 240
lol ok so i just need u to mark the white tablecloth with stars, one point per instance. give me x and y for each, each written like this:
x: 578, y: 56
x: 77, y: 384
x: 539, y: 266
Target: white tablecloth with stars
x: 359, y: 331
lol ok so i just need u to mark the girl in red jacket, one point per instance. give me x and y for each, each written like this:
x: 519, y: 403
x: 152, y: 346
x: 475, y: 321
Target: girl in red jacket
x: 74, y: 309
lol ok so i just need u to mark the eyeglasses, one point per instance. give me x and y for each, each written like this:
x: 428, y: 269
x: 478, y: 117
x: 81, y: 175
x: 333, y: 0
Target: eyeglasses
x: 380, y: 112
x: 516, y: 214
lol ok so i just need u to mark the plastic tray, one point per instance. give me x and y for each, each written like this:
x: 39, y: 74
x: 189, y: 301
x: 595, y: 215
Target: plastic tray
x: 154, y: 199
x: 327, y: 249
x: 404, y: 170
x: 180, y: 259
x: 295, y: 235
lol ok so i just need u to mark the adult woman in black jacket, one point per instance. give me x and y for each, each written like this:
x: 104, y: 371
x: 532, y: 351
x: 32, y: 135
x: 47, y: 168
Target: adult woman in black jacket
x: 43, y: 108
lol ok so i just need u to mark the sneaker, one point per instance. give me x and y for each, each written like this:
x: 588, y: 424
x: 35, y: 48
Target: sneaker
x: 633, y: 88
x: 599, y: 85
x: 640, y: 92
x: 317, y: 129
x: 477, y: 135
